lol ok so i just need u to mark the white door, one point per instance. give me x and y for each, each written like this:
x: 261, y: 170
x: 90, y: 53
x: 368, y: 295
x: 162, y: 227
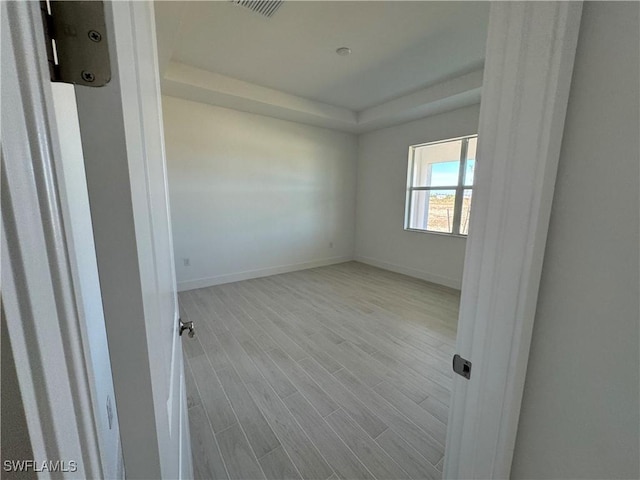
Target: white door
x: 123, y: 146
x: 120, y: 126
x: 124, y: 119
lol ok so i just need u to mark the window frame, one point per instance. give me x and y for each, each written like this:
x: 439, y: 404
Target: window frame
x: 459, y: 188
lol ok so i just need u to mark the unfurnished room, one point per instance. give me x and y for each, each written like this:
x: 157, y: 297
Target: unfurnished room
x: 283, y: 239
x: 320, y: 160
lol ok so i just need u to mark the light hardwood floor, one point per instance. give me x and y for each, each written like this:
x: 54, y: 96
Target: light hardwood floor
x: 333, y: 372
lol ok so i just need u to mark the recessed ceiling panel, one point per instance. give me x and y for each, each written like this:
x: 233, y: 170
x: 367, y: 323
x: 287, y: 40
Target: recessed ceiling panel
x: 397, y: 47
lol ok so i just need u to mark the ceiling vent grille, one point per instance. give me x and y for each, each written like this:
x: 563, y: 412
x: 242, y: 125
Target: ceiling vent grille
x: 265, y: 8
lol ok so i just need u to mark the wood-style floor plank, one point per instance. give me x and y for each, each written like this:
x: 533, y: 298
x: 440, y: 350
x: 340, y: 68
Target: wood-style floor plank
x: 436, y: 408
x: 378, y: 331
x: 212, y: 397
x: 276, y: 377
x: 413, y: 412
x: 287, y: 344
x: 332, y: 372
x: 344, y: 462
x: 238, y: 457
x: 404, y: 454
x: 420, y: 439
x: 370, y: 454
x: 295, y: 441
x: 277, y: 465
x: 349, y: 402
x: 411, y: 381
x: 204, y: 334
x: 259, y: 433
x: 287, y: 324
x: 193, y: 398
x: 207, y: 462
x: 304, y: 383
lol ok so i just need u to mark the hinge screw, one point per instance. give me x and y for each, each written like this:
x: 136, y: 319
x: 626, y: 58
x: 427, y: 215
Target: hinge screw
x: 88, y: 76
x: 95, y: 36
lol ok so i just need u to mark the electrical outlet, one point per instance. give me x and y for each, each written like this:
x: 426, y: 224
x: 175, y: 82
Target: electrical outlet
x: 186, y: 262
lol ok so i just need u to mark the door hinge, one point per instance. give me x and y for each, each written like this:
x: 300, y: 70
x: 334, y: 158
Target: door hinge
x: 76, y: 42
x: 462, y: 366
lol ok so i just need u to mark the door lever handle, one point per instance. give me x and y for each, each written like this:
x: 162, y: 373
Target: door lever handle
x: 187, y: 326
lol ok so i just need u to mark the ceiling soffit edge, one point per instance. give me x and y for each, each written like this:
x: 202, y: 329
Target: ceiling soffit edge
x: 184, y: 81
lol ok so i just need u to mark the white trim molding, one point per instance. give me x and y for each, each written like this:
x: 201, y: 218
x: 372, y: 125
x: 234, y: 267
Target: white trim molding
x: 38, y: 296
x: 262, y: 272
x: 529, y: 63
x: 412, y: 272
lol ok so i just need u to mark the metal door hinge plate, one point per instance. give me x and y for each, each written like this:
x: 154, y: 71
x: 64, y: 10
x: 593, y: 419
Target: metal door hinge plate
x: 76, y: 42
x: 462, y: 366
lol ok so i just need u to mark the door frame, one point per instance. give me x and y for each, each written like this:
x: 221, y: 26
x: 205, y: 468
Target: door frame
x: 39, y: 305
x: 527, y: 77
x: 529, y: 62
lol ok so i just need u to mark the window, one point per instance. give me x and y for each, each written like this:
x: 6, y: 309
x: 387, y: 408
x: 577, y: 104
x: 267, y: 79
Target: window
x: 440, y: 186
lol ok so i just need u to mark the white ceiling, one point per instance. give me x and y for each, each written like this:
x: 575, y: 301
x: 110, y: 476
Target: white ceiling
x: 398, y: 46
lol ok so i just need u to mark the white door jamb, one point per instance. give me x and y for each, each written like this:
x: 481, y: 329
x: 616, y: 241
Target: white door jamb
x: 529, y: 62
x: 38, y: 298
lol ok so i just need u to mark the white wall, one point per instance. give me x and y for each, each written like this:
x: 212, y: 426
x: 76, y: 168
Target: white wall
x: 252, y: 195
x: 382, y: 182
x: 580, y: 411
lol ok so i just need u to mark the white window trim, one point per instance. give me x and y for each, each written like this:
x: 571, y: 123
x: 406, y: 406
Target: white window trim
x: 459, y: 188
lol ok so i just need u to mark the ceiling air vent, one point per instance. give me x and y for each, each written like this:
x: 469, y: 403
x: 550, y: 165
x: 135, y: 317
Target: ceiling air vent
x: 265, y: 8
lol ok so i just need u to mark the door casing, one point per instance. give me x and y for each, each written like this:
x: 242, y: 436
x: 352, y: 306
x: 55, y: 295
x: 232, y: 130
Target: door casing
x: 528, y: 67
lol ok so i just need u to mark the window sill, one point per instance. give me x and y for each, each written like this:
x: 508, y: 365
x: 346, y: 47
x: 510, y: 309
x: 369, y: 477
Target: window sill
x: 442, y: 234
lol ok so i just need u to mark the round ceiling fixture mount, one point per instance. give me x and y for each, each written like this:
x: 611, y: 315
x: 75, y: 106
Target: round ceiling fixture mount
x: 343, y: 51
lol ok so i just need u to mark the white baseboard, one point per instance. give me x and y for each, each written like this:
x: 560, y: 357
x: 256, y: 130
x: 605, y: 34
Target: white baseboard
x: 412, y: 272
x: 263, y: 272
